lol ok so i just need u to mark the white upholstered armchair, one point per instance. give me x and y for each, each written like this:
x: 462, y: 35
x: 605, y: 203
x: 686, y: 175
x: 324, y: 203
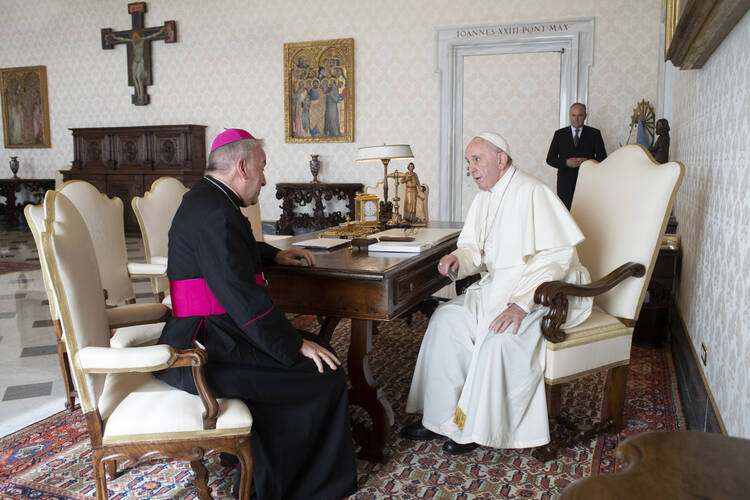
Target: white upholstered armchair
x: 131, y: 324
x: 622, y: 205
x: 129, y: 413
x: 154, y: 212
x: 104, y: 218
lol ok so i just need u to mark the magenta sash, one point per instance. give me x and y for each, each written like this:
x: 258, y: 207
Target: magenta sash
x: 193, y: 298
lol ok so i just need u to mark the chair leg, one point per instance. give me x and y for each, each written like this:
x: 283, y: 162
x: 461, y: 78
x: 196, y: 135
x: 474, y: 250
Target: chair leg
x: 100, y: 477
x: 246, y: 462
x: 616, y: 380
x: 554, y: 400
x: 200, y: 482
x: 62, y: 358
x: 111, y: 467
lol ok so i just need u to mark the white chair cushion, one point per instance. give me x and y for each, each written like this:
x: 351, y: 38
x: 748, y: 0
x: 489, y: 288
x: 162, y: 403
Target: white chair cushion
x: 138, y: 407
x: 136, y: 336
x: 136, y: 314
x: 601, y: 342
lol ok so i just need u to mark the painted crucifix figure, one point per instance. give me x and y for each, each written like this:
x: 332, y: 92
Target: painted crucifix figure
x: 138, y: 41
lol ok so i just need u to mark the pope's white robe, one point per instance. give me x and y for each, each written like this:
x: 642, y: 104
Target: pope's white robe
x: 486, y: 388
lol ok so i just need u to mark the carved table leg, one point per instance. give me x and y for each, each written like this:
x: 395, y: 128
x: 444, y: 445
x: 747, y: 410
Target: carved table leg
x: 364, y: 393
x: 327, y: 327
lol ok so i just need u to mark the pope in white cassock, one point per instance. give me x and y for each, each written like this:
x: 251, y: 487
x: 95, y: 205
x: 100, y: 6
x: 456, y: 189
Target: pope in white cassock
x: 479, y: 377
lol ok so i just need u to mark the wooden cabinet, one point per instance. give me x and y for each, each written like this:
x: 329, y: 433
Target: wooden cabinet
x: 125, y: 161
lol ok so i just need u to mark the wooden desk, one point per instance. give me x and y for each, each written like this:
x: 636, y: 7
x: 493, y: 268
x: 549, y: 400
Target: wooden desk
x: 674, y: 464
x: 13, y: 213
x: 348, y: 283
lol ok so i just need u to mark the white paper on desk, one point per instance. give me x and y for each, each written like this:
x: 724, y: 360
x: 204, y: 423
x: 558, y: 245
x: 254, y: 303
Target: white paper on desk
x: 322, y: 243
x: 399, y: 246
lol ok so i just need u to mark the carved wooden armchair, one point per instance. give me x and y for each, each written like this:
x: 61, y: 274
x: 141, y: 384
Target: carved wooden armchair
x: 131, y: 324
x: 129, y: 413
x: 622, y: 205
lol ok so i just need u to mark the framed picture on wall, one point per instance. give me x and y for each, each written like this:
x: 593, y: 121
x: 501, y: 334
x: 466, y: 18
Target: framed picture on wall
x: 25, y: 108
x: 319, y: 91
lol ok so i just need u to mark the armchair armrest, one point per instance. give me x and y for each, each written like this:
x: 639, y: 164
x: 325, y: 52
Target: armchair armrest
x: 125, y: 359
x: 149, y: 359
x: 148, y: 270
x: 554, y: 294
x: 137, y: 314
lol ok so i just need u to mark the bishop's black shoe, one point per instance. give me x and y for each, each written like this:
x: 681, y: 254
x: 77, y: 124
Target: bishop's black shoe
x: 453, y: 448
x: 418, y: 432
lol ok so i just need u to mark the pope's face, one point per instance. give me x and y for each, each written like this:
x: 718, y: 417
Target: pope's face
x: 486, y: 163
x: 256, y: 179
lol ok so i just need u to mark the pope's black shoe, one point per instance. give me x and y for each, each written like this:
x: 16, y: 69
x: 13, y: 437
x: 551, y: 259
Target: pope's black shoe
x: 453, y: 448
x: 418, y: 432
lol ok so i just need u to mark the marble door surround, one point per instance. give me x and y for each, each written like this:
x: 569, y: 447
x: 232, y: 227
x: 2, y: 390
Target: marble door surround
x: 573, y: 38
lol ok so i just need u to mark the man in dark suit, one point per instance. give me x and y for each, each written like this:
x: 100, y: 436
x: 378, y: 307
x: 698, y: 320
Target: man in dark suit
x: 570, y: 147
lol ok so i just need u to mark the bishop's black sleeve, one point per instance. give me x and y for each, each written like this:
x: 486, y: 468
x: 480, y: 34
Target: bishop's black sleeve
x: 554, y: 158
x: 267, y: 252
x: 229, y: 259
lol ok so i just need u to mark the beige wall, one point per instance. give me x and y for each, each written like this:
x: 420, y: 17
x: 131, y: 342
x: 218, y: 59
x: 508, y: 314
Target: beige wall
x: 711, y: 136
x: 226, y: 71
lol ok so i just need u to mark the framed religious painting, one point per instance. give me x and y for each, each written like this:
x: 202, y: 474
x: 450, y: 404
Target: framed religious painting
x: 319, y: 91
x: 25, y: 108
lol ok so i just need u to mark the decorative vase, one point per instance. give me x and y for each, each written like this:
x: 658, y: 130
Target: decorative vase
x: 14, y: 166
x: 315, y: 168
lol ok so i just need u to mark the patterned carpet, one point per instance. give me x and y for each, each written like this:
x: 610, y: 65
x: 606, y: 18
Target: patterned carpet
x: 52, y: 460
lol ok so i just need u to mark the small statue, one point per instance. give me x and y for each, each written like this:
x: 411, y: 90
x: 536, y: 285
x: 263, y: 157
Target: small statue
x: 413, y: 190
x: 660, y: 149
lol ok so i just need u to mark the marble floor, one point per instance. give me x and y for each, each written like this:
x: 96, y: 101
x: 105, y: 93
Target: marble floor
x: 31, y: 387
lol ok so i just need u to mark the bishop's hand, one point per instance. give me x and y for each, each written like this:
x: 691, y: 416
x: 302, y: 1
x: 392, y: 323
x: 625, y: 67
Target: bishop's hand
x: 295, y: 257
x: 319, y: 355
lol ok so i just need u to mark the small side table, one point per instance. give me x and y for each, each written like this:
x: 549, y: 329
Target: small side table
x: 10, y: 210
x: 299, y: 194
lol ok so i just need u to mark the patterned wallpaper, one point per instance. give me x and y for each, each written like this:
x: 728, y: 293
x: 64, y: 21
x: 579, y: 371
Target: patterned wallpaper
x: 226, y: 71
x: 507, y: 105
x: 711, y: 136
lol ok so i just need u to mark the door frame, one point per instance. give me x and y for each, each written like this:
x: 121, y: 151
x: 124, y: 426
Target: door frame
x: 573, y: 38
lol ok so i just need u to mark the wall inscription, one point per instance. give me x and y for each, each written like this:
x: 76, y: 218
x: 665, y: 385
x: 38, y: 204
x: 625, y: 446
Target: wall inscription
x: 512, y: 29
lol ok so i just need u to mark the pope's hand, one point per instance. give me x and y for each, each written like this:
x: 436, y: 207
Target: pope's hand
x: 513, y: 315
x: 295, y: 257
x: 448, y: 264
x: 318, y: 354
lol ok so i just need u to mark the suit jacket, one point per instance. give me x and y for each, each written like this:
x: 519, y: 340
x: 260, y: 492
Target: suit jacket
x: 590, y: 145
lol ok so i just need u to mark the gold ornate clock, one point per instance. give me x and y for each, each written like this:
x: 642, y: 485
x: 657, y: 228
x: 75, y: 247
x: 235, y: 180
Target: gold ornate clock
x: 366, y: 210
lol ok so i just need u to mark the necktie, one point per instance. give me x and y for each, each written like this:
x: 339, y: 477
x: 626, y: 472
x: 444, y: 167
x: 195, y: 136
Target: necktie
x: 576, y: 137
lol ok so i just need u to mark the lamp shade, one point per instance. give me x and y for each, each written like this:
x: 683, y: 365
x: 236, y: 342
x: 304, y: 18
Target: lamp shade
x: 384, y: 152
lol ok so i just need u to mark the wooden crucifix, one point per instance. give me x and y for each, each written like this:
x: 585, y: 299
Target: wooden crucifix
x: 138, y: 41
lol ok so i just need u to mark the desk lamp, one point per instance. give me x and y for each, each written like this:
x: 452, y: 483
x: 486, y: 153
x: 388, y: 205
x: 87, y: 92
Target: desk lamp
x: 385, y: 154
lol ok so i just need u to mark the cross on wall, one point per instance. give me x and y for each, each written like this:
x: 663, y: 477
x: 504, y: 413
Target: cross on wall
x: 138, y: 41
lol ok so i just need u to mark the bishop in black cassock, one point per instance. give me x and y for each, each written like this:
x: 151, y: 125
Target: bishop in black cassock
x: 301, y: 437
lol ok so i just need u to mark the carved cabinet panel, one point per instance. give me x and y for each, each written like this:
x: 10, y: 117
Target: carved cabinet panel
x: 125, y: 161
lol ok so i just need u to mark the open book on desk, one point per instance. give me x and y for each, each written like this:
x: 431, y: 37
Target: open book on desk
x: 417, y: 239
